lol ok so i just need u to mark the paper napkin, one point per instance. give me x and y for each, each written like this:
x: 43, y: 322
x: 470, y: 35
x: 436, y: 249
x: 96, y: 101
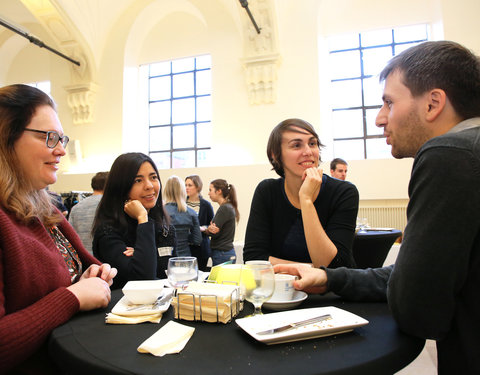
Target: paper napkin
x: 169, y: 339
x: 112, y: 318
x: 207, y: 302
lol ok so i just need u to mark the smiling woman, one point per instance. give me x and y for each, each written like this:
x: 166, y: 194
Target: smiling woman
x: 41, y: 255
x: 131, y: 228
x: 304, y: 216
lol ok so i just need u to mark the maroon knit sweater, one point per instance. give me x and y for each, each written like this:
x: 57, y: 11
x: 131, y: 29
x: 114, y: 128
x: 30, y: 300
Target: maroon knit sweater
x: 33, y: 280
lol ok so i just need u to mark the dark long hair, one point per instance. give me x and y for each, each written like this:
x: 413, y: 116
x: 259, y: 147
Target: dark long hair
x: 119, y: 183
x: 229, y: 193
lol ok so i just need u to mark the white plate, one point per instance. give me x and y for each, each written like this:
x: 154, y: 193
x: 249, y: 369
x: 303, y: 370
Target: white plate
x: 276, y: 305
x: 121, y: 308
x: 342, y: 321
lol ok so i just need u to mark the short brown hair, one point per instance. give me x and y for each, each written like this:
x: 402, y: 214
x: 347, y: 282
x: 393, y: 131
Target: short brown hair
x: 274, y: 146
x: 99, y: 180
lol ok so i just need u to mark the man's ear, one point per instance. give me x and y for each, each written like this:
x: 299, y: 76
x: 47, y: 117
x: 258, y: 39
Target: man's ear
x: 436, y: 101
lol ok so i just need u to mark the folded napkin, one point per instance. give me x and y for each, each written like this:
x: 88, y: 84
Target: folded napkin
x: 112, y: 318
x: 213, y: 302
x: 169, y: 339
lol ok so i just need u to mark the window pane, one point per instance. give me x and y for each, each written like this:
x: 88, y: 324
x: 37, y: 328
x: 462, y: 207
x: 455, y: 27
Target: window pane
x: 347, y: 124
x: 183, y: 136
x: 203, y: 158
x: 160, y: 138
x: 161, y: 159
x: 377, y: 148
x: 160, y: 88
x: 339, y: 42
x: 376, y: 37
x: 204, y: 108
x: 183, y: 85
x: 372, y: 91
x: 372, y: 129
x: 183, y: 159
x: 408, y: 33
x: 345, y: 64
x: 160, y: 68
x: 204, y: 82
x: 204, y: 134
x: 346, y: 94
x: 183, y: 110
x: 183, y: 65
x: 349, y: 150
x: 204, y: 62
x: 402, y: 47
x: 375, y: 59
x: 160, y: 113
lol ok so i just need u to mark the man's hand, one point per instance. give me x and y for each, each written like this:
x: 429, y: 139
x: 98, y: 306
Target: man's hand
x: 311, y: 280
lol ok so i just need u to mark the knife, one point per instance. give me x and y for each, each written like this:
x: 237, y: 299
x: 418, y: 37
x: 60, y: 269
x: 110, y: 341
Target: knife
x: 296, y: 324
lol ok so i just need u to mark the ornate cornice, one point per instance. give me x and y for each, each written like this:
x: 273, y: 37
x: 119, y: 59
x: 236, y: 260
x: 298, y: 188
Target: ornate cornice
x: 261, y: 54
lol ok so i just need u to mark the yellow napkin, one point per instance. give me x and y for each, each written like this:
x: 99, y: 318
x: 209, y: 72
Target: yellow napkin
x: 119, y: 319
x: 209, y: 298
x: 169, y: 339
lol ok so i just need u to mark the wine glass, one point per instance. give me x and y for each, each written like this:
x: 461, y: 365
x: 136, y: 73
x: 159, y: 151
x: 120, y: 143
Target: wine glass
x: 182, y: 270
x: 257, y: 281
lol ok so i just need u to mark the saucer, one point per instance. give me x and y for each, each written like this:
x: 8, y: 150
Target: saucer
x: 276, y: 305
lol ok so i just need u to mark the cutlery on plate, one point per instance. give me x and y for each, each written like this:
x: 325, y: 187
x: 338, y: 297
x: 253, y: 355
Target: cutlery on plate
x: 151, y: 306
x: 295, y: 325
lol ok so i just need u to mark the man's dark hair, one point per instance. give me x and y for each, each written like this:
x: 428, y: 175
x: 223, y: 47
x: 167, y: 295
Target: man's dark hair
x: 334, y: 162
x: 443, y: 65
x: 99, y: 180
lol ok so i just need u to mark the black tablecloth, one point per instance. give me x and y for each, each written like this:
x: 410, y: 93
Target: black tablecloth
x: 370, y: 248
x: 86, y: 345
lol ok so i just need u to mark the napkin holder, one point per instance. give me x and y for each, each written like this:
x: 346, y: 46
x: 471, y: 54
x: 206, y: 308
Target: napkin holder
x: 210, y: 302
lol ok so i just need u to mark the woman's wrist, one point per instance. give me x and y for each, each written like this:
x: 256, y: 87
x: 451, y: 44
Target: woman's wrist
x: 142, y: 218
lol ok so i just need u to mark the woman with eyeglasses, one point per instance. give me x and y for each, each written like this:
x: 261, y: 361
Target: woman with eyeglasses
x: 46, y: 274
x: 131, y: 230
x: 304, y: 216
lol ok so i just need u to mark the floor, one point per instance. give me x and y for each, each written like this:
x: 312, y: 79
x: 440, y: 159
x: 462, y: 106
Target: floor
x: 426, y: 362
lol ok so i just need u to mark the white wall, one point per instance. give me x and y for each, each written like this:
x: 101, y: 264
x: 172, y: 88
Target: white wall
x: 141, y: 32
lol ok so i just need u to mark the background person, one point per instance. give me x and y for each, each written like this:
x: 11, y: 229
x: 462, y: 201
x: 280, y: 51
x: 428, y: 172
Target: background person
x: 131, y: 229
x: 83, y: 213
x: 431, y: 111
x: 183, y: 218
x: 338, y: 169
x: 204, y: 209
x: 222, y: 228
x: 304, y: 216
x: 46, y: 275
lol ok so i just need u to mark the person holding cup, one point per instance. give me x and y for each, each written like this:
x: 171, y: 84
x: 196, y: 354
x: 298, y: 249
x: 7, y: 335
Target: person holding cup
x: 46, y: 274
x: 131, y: 229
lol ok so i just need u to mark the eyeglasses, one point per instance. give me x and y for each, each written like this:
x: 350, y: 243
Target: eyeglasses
x: 52, y: 138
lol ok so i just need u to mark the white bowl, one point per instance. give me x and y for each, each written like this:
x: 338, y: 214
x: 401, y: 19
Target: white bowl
x: 143, y: 291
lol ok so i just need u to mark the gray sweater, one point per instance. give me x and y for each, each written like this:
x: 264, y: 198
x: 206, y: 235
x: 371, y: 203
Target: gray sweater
x: 433, y: 289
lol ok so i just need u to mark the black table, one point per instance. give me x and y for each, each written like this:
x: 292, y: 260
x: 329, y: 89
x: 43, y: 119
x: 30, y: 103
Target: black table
x: 371, y: 247
x: 86, y: 345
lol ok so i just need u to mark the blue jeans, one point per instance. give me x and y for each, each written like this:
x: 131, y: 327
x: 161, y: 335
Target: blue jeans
x: 219, y: 256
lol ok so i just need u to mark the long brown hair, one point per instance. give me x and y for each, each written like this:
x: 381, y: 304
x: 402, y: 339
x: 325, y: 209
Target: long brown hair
x: 229, y: 193
x: 18, y: 104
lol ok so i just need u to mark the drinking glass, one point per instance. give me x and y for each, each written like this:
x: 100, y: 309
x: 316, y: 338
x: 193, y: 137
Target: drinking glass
x: 182, y: 270
x: 257, y: 282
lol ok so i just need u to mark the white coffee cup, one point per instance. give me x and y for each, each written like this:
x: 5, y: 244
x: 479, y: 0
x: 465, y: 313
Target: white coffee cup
x: 284, y: 289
